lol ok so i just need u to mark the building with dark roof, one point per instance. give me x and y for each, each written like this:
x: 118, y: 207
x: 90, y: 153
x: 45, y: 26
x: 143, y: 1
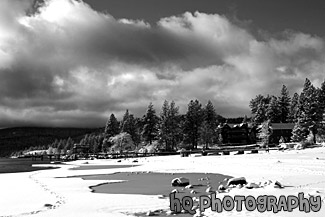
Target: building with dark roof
x: 243, y: 134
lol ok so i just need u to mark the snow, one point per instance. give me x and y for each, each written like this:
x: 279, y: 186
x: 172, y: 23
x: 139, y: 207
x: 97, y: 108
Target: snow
x: 49, y: 193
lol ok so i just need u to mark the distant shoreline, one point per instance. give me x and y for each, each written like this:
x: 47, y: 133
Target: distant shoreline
x: 18, y: 165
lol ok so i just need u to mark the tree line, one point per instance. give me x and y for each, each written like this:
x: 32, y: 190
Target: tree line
x: 169, y: 129
x: 306, y: 110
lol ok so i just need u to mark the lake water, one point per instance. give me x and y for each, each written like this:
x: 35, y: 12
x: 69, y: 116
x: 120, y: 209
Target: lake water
x: 14, y: 165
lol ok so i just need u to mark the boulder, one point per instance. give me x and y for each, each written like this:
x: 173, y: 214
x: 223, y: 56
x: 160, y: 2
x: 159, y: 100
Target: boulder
x: 209, y: 189
x: 150, y: 213
x: 239, y: 152
x: 189, y: 186
x: 48, y: 205
x: 252, y: 185
x: 237, y: 181
x: 181, y: 181
x: 278, y: 185
x: 221, y: 188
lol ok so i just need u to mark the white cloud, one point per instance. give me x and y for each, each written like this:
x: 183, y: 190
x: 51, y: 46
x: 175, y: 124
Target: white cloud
x: 68, y: 62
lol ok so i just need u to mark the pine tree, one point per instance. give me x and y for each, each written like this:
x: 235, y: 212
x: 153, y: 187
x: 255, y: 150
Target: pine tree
x: 300, y: 131
x: 164, y: 129
x: 321, y: 97
x: 245, y: 120
x: 124, y: 122
x: 61, y: 144
x: 194, y: 119
x: 309, y: 113
x: 174, y: 124
x: 259, y: 107
x: 321, y: 100
x: 293, y: 111
x: 209, y: 126
x: 150, y: 121
x: 284, y: 103
x: 129, y: 125
x: 253, y: 104
x: 69, y: 144
x: 169, y: 125
x: 265, y: 132
x: 112, y: 126
x: 55, y: 143
x: 273, y: 110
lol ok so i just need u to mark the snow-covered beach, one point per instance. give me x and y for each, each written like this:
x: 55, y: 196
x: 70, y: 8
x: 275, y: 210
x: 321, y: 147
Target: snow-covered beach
x: 49, y: 193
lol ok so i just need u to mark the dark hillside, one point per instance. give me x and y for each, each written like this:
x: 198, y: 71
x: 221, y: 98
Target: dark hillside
x: 20, y: 138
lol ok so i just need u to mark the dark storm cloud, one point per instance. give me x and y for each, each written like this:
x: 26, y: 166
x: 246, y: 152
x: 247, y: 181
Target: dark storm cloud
x: 68, y: 64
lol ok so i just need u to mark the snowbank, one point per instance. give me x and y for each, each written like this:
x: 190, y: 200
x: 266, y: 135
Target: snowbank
x: 48, y: 193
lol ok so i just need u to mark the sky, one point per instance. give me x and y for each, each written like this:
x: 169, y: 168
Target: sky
x: 68, y: 63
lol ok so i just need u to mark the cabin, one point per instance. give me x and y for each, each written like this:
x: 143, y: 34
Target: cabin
x: 279, y: 130
x: 81, y: 149
x: 244, y: 133
x: 236, y: 134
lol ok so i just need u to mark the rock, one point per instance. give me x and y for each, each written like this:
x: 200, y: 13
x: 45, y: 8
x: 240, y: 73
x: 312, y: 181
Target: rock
x: 149, y: 213
x: 237, y: 181
x: 169, y: 212
x: 48, y: 205
x: 278, y: 185
x: 189, y: 186
x: 239, y: 186
x: 252, y: 185
x: 119, y: 161
x: 181, y: 181
x: 209, y: 189
x: 239, y: 152
x: 221, y: 188
x: 161, y: 196
x: 135, y: 161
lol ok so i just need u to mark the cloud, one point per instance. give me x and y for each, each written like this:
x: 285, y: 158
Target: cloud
x: 69, y: 65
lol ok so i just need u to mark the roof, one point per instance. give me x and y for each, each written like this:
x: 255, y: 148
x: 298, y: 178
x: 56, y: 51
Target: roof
x: 234, y: 125
x: 282, y: 126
